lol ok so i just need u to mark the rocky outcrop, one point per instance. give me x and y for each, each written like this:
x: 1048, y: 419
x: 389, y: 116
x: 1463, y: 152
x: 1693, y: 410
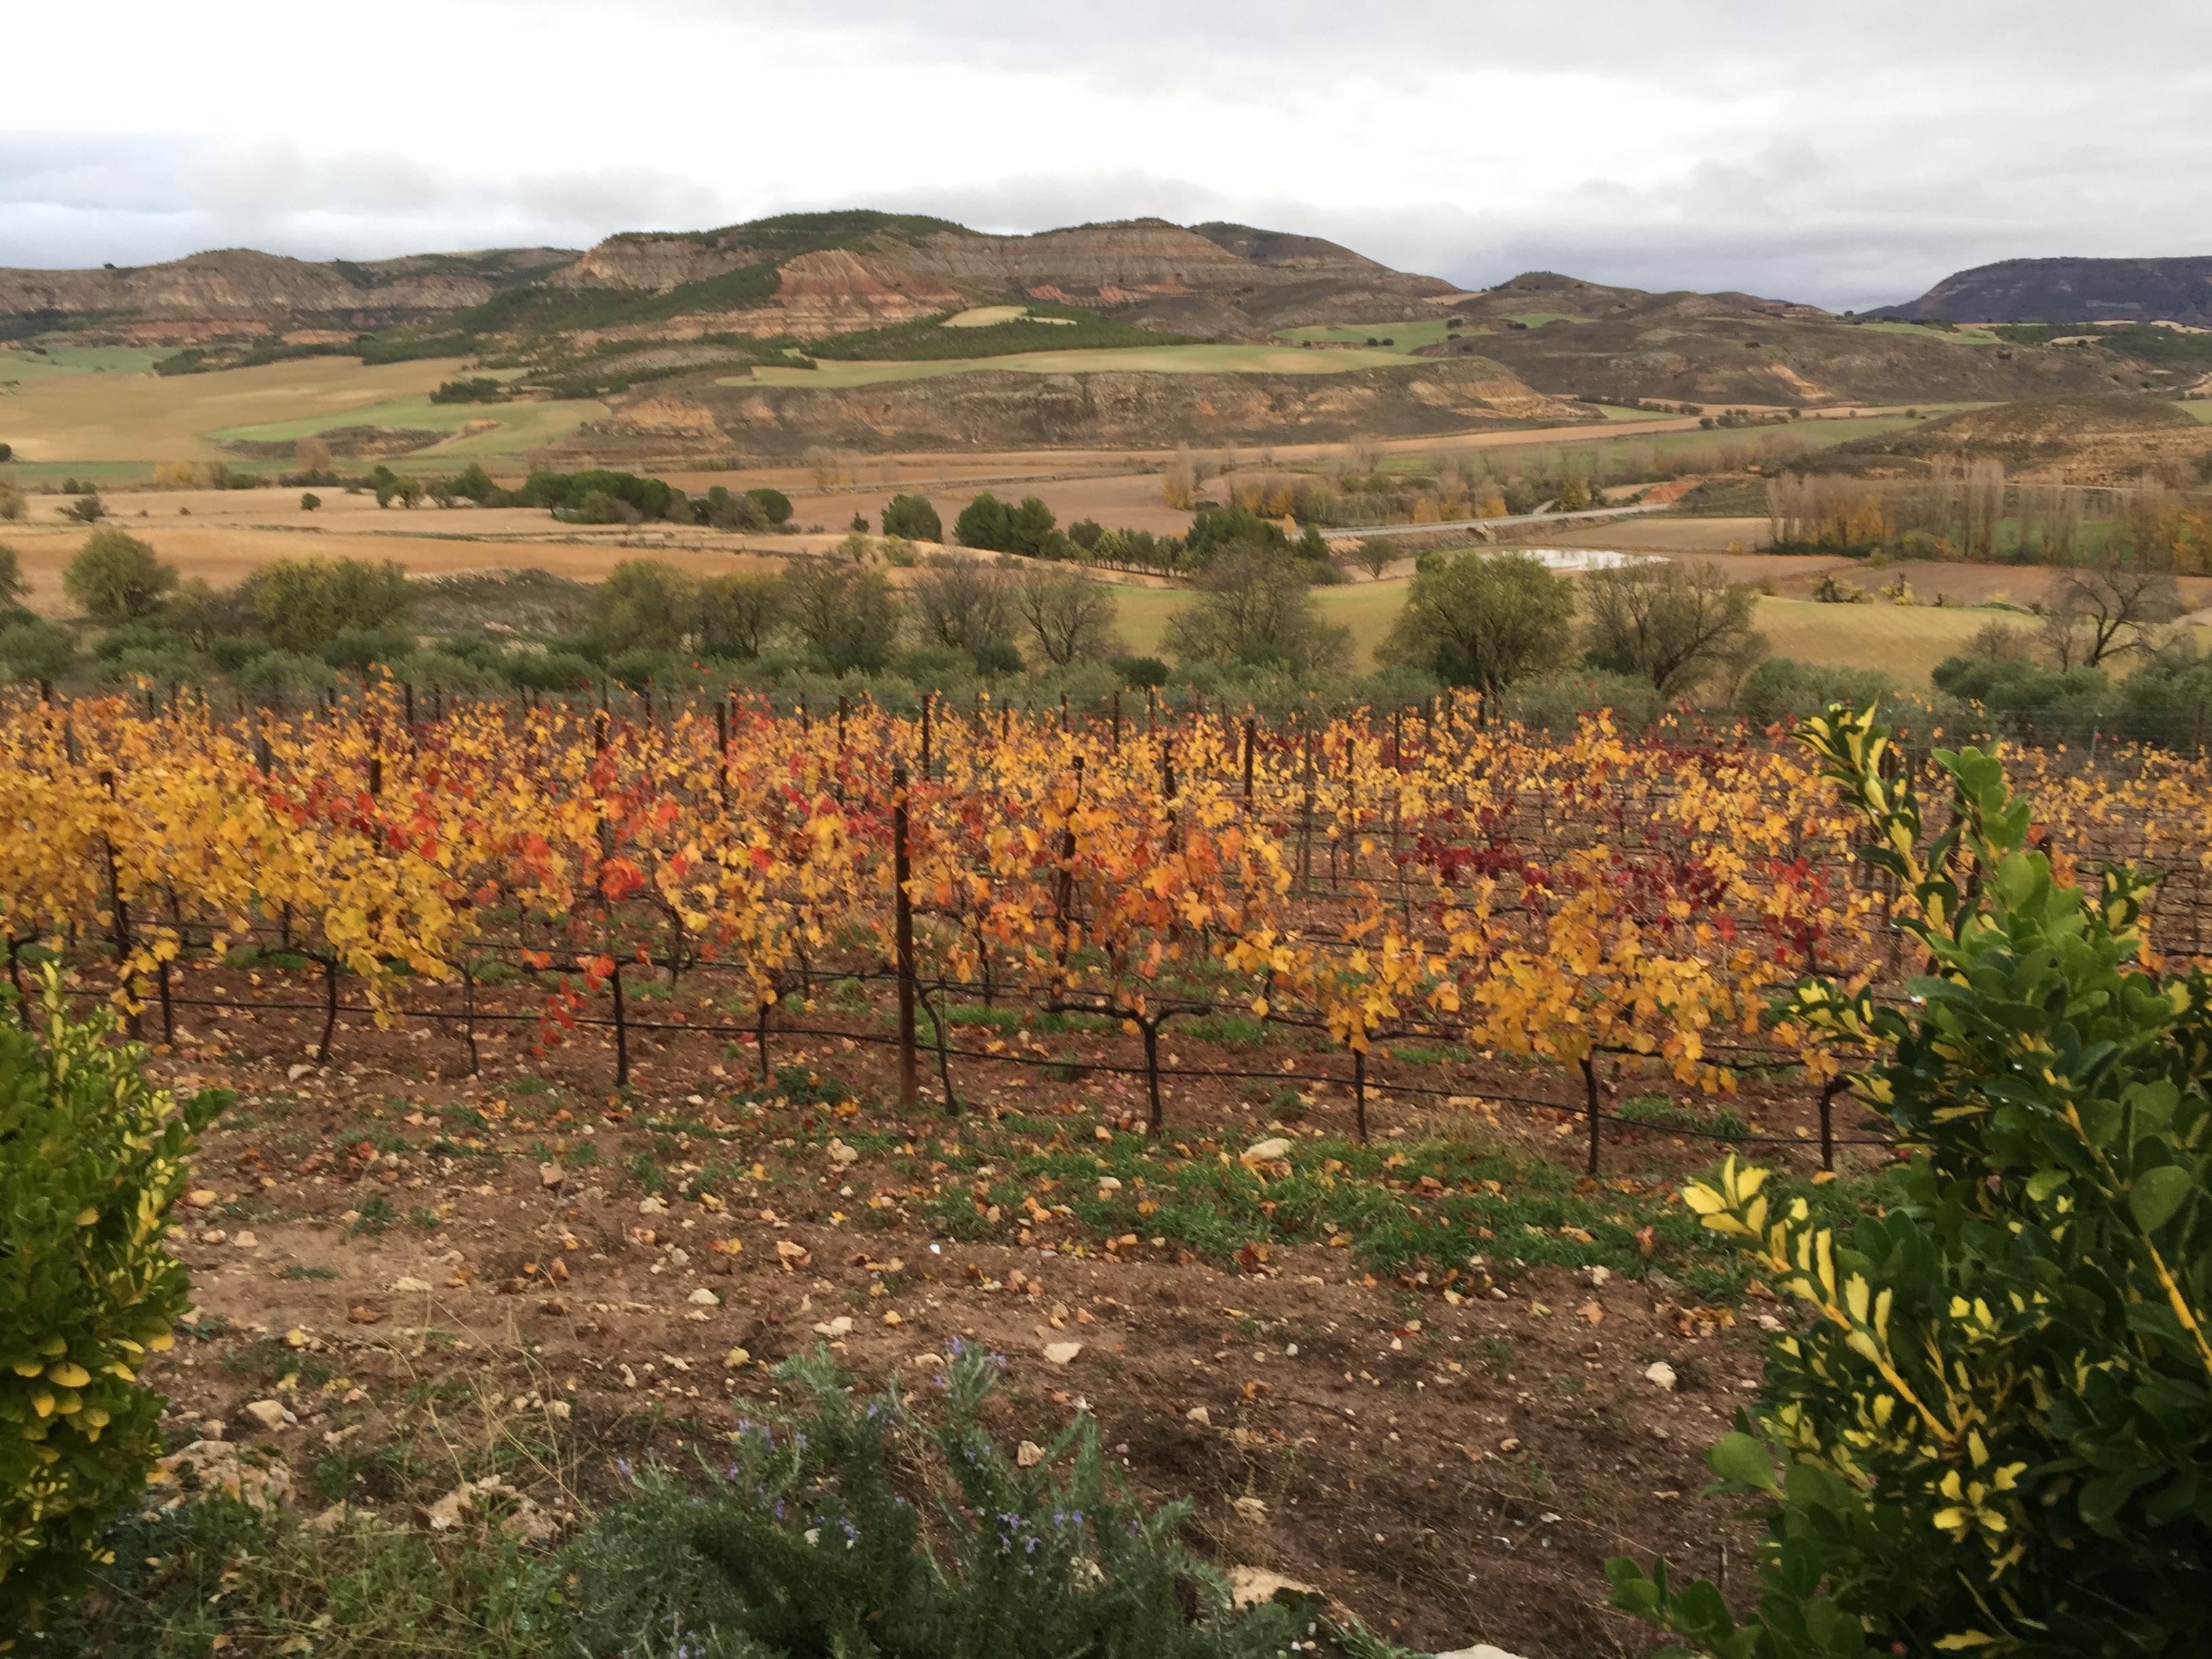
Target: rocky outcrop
x: 239, y: 290
x: 649, y: 264
x: 837, y: 291
x: 998, y: 408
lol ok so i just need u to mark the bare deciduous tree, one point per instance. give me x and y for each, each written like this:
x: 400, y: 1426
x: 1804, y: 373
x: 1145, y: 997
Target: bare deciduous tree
x: 963, y: 602
x: 1253, y: 605
x: 1676, y: 625
x: 1069, y: 616
x: 2107, y: 608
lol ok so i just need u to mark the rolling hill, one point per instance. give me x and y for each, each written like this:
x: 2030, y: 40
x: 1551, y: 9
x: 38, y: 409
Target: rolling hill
x: 2062, y: 290
x: 1566, y: 336
x: 2103, y: 438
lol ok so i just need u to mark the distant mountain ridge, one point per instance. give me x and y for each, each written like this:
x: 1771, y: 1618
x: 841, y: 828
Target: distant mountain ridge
x: 2070, y: 290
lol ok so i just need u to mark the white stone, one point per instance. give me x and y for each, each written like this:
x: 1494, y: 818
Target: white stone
x: 1061, y: 1353
x: 1661, y: 1372
x: 1267, y: 1151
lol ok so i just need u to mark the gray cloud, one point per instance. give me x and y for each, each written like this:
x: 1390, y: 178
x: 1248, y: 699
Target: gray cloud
x: 1850, y: 154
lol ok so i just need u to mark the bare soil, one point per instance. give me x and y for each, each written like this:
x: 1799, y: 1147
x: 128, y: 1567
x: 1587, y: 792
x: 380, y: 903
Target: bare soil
x: 433, y: 1255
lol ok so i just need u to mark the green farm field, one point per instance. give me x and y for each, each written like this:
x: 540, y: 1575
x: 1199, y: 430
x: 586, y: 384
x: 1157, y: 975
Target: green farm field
x: 1418, y: 332
x: 1135, y: 360
x: 520, y: 426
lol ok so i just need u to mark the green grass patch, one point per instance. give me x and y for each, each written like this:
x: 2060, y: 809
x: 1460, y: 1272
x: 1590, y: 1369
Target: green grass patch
x: 520, y: 426
x: 1030, y: 329
x: 1406, y: 334
x: 21, y: 364
x: 1395, y: 1207
x: 1125, y: 359
x: 1954, y: 334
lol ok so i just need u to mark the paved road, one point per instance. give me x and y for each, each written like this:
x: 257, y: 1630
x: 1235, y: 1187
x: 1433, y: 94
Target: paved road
x: 1359, y: 532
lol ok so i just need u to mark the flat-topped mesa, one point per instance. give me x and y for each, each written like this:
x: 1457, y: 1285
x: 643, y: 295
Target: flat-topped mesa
x: 241, y: 290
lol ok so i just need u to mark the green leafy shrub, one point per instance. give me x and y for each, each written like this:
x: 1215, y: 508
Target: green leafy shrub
x: 1995, y: 1431
x: 913, y: 518
x: 1785, y: 688
x: 806, y: 1545
x: 92, y: 1155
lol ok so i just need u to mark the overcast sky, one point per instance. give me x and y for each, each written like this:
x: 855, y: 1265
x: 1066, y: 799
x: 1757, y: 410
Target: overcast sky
x: 1849, y: 153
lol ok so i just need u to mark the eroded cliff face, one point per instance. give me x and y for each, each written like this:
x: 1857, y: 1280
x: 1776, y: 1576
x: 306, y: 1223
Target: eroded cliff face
x: 996, y: 409
x: 649, y: 265
x: 241, y: 291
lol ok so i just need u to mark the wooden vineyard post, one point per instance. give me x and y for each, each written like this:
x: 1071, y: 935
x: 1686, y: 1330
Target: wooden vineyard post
x: 1359, y: 1094
x: 1305, y: 819
x: 1828, y: 1092
x: 119, y: 913
x: 469, y: 1019
x: 722, y: 751
x: 330, y: 1007
x: 903, y: 939
x: 622, y: 1028
x: 1596, y: 1122
x: 1168, y: 790
x: 1117, y: 722
x: 1247, y: 763
x: 1350, y: 810
x: 1063, y: 897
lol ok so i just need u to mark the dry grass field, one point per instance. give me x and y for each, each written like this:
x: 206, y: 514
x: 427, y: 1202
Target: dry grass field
x: 150, y: 417
x: 100, y: 406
